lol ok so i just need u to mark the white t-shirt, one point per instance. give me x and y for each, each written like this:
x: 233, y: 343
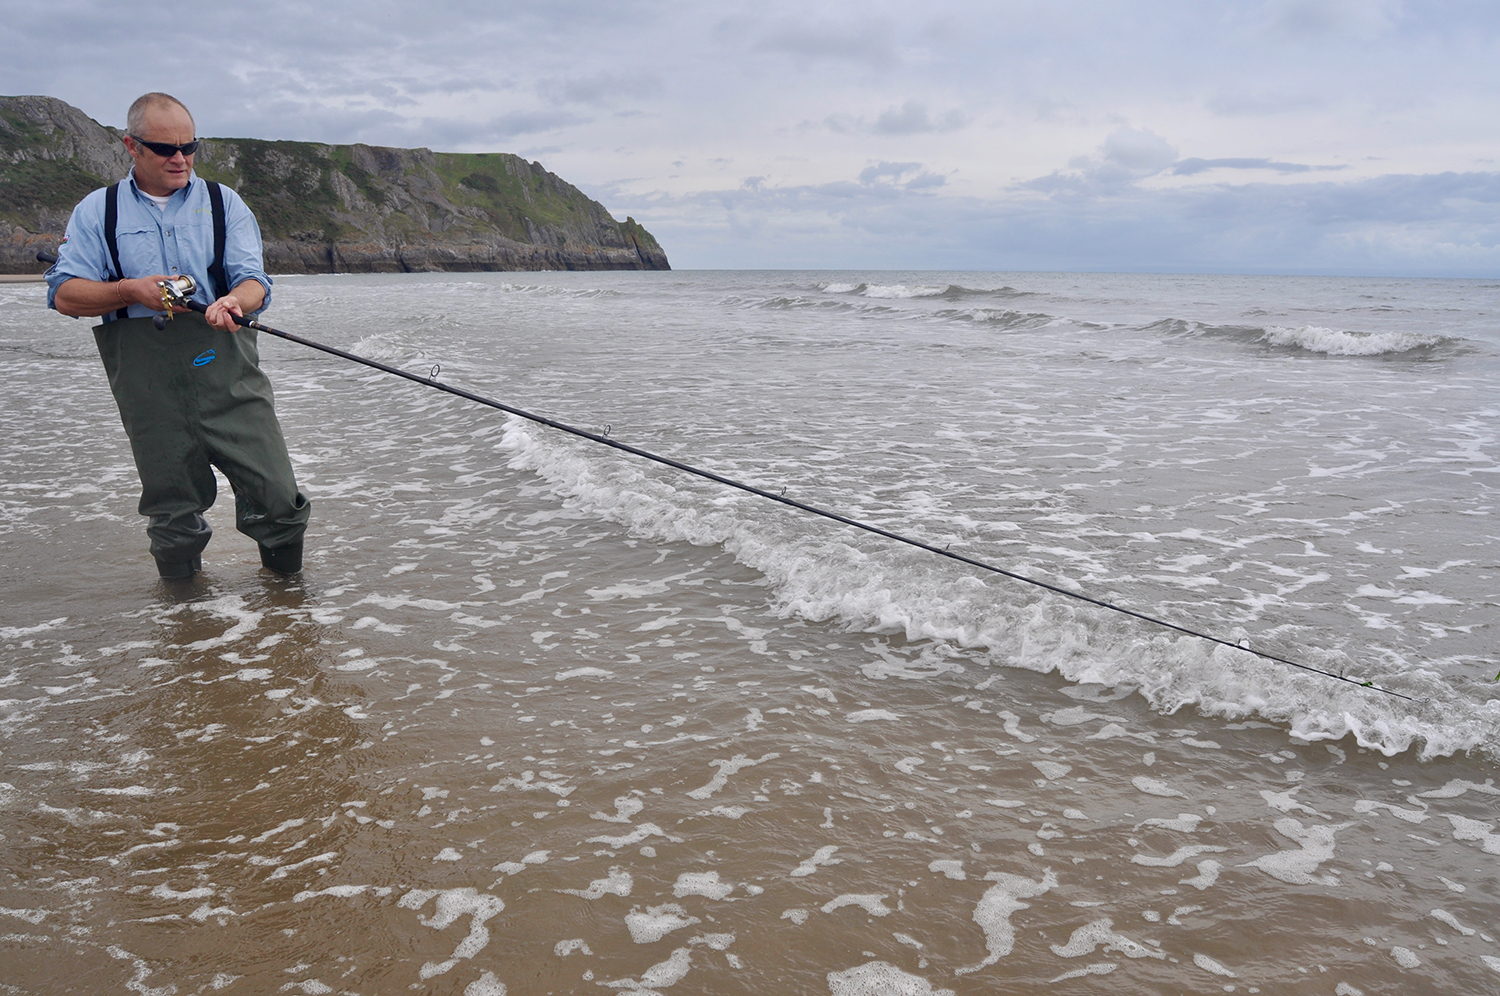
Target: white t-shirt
x: 160, y: 202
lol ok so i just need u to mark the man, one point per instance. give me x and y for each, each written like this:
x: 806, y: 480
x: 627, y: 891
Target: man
x: 191, y: 395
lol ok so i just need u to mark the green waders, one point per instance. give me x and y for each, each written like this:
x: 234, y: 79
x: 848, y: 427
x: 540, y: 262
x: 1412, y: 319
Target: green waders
x: 192, y: 398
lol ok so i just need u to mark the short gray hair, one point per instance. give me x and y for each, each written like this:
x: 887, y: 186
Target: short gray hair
x: 135, y: 118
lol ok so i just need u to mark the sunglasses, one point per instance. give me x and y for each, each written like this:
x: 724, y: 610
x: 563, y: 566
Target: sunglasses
x: 167, y: 151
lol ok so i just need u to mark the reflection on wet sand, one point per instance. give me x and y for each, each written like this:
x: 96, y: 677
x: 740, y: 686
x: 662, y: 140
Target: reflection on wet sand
x: 178, y: 783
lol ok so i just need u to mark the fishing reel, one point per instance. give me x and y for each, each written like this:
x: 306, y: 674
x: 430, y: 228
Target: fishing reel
x: 176, y: 292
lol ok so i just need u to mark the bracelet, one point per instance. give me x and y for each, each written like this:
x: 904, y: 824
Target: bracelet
x: 120, y: 292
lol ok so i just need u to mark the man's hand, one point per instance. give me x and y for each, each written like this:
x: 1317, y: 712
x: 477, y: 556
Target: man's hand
x: 92, y: 298
x: 220, y: 313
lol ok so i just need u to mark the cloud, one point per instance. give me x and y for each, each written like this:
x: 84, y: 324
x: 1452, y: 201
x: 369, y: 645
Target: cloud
x: 867, y: 41
x: 599, y: 89
x: 1188, y: 167
x: 1138, y: 151
x: 1126, y: 156
x: 895, y: 174
x: 1409, y: 225
x: 1317, y: 20
x: 1244, y: 104
x: 911, y: 118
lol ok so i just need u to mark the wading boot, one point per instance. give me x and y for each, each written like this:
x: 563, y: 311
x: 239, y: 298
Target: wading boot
x: 178, y: 570
x: 284, y: 560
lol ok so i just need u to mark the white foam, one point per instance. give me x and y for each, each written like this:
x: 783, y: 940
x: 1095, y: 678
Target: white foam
x: 995, y: 908
x: 1185, y: 823
x: 1052, y: 770
x: 485, y: 985
x: 1088, y: 937
x: 512, y: 867
x: 626, y: 806
x: 901, y: 291
x: 17, y: 632
x: 1098, y: 968
x: 871, y: 902
x: 1408, y: 815
x: 1458, y: 786
x: 820, y: 577
x: 452, y: 904
x: 1206, y: 963
x: 655, y: 922
x: 165, y: 891
x: 1316, y: 339
x: 1297, y: 867
x: 1154, y: 786
x: 705, y: 884
x: 726, y: 768
x: 1208, y: 874
x: 337, y: 891
x: 823, y: 856
x: 870, y: 715
x: 879, y: 978
x: 635, y: 836
x: 227, y: 607
x: 950, y: 869
x: 619, y: 883
x: 659, y: 976
x: 1452, y: 921
x: 1467, y: 829
x: 583, y: 672
x: 1176, y: 858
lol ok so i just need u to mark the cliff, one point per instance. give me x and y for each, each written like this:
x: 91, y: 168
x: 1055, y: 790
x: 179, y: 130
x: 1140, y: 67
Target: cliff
x: 327, y: 208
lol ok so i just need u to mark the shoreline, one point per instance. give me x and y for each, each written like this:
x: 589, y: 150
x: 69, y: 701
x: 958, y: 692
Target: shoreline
x: 22, y: 278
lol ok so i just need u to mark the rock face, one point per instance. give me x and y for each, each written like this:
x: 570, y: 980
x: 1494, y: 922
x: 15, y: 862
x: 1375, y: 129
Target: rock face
x: 327, y: 208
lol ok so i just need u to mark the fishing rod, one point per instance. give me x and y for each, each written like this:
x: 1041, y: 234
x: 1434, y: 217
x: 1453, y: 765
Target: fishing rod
x: 177, y: 292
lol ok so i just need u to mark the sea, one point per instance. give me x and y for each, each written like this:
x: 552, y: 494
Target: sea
x: 1190, y: 686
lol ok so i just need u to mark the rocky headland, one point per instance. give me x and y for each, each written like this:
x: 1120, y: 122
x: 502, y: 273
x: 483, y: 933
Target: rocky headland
x: 327, y: 208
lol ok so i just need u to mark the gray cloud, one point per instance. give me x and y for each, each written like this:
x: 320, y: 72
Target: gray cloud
x: 912, y: 118
x: 1362, y: 227
x: 1187, y: 167
x: 1126, y: 156
x: 868, y: 41
x: 601, y: 89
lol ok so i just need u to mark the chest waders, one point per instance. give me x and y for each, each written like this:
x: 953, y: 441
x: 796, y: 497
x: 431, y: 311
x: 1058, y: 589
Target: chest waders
x: 191, y: 398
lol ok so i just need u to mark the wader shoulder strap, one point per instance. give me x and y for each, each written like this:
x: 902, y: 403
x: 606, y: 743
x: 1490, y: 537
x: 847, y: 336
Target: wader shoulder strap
x: 216, y: 268
x: 111, y: 222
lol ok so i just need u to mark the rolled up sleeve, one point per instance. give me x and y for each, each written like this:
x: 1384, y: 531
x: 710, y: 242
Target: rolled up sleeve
x: 83, y: 252
x: 243, y: 250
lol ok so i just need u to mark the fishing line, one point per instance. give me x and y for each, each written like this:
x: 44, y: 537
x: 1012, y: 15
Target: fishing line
x: 169, y: 294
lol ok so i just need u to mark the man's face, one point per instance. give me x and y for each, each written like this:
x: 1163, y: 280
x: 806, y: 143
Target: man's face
x: 173, y: 125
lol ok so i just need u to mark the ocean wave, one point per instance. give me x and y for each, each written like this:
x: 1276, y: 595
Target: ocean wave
x: 905, y: 291
x: 785, y: 302
x: 388, y: 347
x: 824, y: 575
x: 1308, y: 338
x: 1315, y: 339
x: 999, y: 318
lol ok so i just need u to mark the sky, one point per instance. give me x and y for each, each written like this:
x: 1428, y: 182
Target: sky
x: 1248, y: 136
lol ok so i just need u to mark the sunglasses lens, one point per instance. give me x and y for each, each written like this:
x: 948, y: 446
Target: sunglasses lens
x: 168, y: 151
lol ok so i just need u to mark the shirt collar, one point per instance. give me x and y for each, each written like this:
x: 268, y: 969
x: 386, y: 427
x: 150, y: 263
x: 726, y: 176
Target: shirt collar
x: 192, y: 179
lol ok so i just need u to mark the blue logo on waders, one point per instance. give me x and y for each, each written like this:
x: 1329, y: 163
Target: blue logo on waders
x: 204, y: 358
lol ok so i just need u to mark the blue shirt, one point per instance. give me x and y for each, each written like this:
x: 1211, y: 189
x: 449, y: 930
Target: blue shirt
x: 177, y: 240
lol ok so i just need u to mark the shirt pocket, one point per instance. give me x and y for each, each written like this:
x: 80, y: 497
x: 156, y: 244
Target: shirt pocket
x: 140, y: 250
